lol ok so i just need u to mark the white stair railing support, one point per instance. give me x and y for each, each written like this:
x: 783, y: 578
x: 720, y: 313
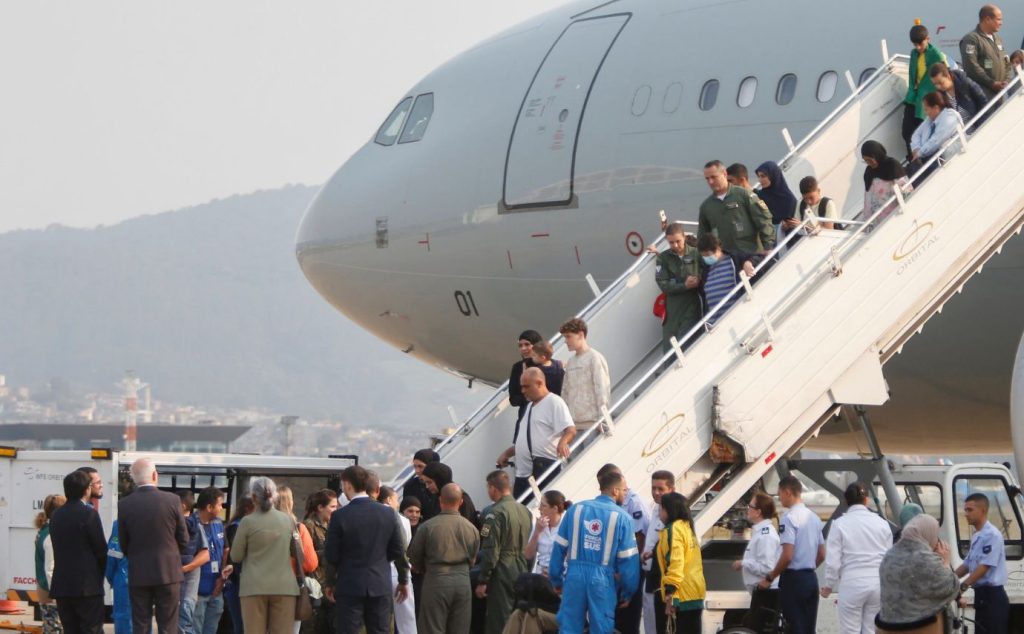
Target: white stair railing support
x: 678, y: 349
x: 746, y: 285
x: 594, y: 288
x: 788, y: 139
x: 850, y: 81
x: 962, y: 133
x: 901, y: 200
x: 835, y: 263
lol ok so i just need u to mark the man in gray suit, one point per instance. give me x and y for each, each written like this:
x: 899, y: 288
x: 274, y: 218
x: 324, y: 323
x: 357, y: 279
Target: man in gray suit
x: 153, y: 534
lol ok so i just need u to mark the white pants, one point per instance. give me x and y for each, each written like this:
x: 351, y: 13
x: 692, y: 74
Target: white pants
x: 650, y: 626
x: 859, y: 603
x: 405, y: 612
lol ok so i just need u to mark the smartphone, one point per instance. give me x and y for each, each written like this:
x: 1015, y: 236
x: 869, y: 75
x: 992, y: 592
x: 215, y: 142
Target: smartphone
x: 661, y: 214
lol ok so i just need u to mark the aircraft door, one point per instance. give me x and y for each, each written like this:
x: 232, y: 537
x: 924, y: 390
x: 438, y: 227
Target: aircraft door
x: 540, y: 164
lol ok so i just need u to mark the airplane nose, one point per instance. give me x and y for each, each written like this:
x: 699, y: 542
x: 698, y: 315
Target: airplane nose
x: 336, y: 234
x: 341, y: 244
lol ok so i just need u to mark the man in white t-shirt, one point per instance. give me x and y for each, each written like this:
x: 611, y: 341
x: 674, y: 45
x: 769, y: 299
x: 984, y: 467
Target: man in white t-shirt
x: 545, y: 432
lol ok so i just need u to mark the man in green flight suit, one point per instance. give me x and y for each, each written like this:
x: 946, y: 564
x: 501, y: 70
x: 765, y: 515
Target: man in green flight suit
x: 503, y: 538
x: 443, y: 550
x: 982, y: 51
x: 738, y: 217
x: 677, y: 272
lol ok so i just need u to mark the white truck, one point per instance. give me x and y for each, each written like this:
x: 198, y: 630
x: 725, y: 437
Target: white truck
x: 941, y: 491
x: 27, y: 477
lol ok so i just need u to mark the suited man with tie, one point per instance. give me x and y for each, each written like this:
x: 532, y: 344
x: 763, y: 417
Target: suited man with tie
x: 153, y: 533
x: 362, y: 539
x: 80, y: 558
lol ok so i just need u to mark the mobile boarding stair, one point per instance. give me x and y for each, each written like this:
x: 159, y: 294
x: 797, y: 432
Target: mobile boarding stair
x: 811, y: 335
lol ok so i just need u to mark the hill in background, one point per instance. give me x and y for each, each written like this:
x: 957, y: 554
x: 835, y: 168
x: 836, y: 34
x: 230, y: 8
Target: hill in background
x: 209, y: 306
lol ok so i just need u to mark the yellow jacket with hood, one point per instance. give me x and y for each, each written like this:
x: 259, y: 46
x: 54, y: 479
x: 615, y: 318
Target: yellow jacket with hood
x: 682, y: 576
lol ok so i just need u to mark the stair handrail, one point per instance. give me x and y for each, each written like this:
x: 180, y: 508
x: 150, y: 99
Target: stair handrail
x: 863, y: 228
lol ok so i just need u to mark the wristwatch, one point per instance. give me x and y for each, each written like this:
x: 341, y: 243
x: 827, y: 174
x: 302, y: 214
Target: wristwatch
x: 964, y: 587
x: 769, y: 578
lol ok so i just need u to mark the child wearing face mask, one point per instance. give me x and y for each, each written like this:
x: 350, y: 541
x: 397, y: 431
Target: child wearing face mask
x: 721, y: 273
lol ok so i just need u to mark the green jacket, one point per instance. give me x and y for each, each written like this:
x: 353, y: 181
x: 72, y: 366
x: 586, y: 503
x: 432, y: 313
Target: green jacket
x: 503, y: 538
x: 915, y: 90
x: 682, y: 305
x: 985, y: 60
x: 741, y: 221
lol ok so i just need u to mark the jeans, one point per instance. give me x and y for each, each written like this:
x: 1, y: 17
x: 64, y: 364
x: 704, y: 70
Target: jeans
x: 189, y: 594
x: 207, y: 615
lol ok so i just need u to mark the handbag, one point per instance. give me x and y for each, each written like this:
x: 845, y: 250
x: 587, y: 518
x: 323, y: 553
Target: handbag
x: 303, y: 604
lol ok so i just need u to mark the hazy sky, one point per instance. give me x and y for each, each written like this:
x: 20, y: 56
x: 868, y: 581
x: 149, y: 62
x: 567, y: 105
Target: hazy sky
x: 115, y: 109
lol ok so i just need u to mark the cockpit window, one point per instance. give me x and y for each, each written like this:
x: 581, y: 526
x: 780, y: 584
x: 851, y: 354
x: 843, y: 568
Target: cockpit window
x: 416, y: 126
x: 388, y: 133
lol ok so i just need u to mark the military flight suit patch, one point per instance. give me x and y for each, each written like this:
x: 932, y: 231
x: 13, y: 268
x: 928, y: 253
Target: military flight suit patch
x: 987, y: 549
x: 637, y: 514
x: 970, y: 49
x: 765, y: 531
x: 782, y: 528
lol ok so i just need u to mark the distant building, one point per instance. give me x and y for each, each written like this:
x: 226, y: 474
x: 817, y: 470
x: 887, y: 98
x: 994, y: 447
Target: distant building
x: 151, y: 436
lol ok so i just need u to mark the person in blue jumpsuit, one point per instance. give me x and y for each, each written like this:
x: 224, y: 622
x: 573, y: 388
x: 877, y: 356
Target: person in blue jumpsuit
x: 627, y: 618
x: 117, y: 576
x: 985, y: 567
x: 596, y: 536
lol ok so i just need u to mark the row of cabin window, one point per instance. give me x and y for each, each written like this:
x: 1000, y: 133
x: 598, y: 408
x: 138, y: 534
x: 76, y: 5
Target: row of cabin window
x: 408, y: 122
x: 784, y: 91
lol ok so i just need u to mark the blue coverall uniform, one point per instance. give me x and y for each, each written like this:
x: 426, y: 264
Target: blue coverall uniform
x: 597, y: 538
x: 117, y: 577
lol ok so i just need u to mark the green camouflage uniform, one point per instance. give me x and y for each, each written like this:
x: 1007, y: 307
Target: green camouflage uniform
x: 503, y: 538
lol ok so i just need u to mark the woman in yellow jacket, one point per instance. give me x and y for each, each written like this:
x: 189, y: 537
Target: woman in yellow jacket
x: 682, y: 570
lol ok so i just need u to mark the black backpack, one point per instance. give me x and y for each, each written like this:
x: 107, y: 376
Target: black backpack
x: 821, y: 205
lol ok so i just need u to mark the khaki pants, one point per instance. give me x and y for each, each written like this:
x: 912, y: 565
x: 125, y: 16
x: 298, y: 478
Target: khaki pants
x: 270, y: 613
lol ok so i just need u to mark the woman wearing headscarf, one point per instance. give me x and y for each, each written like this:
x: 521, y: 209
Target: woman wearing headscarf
x: 917, y: 584
x: 435, y: 476
x: 412, y: 510
x: 881, y: 175
x: 779, y: 198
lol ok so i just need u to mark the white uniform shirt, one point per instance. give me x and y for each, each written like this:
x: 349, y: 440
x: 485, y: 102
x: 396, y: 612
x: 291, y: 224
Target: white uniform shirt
x: 542, y: 426
x: 654, y: 528
x: 637, y: 512
x: 762, y: 553
x: 857, y: 542
x: 545, y: 541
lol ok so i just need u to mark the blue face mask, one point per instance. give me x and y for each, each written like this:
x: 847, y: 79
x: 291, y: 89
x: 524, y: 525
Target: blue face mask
x: 710, y: 260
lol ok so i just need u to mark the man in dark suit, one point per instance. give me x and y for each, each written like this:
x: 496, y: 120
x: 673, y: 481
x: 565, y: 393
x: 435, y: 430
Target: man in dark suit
x: 362, y: 539
x: 80, y: 557
x: 153, y: 534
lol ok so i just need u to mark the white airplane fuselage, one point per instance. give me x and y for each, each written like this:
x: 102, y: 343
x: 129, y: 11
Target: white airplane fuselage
x: 551, y: 148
